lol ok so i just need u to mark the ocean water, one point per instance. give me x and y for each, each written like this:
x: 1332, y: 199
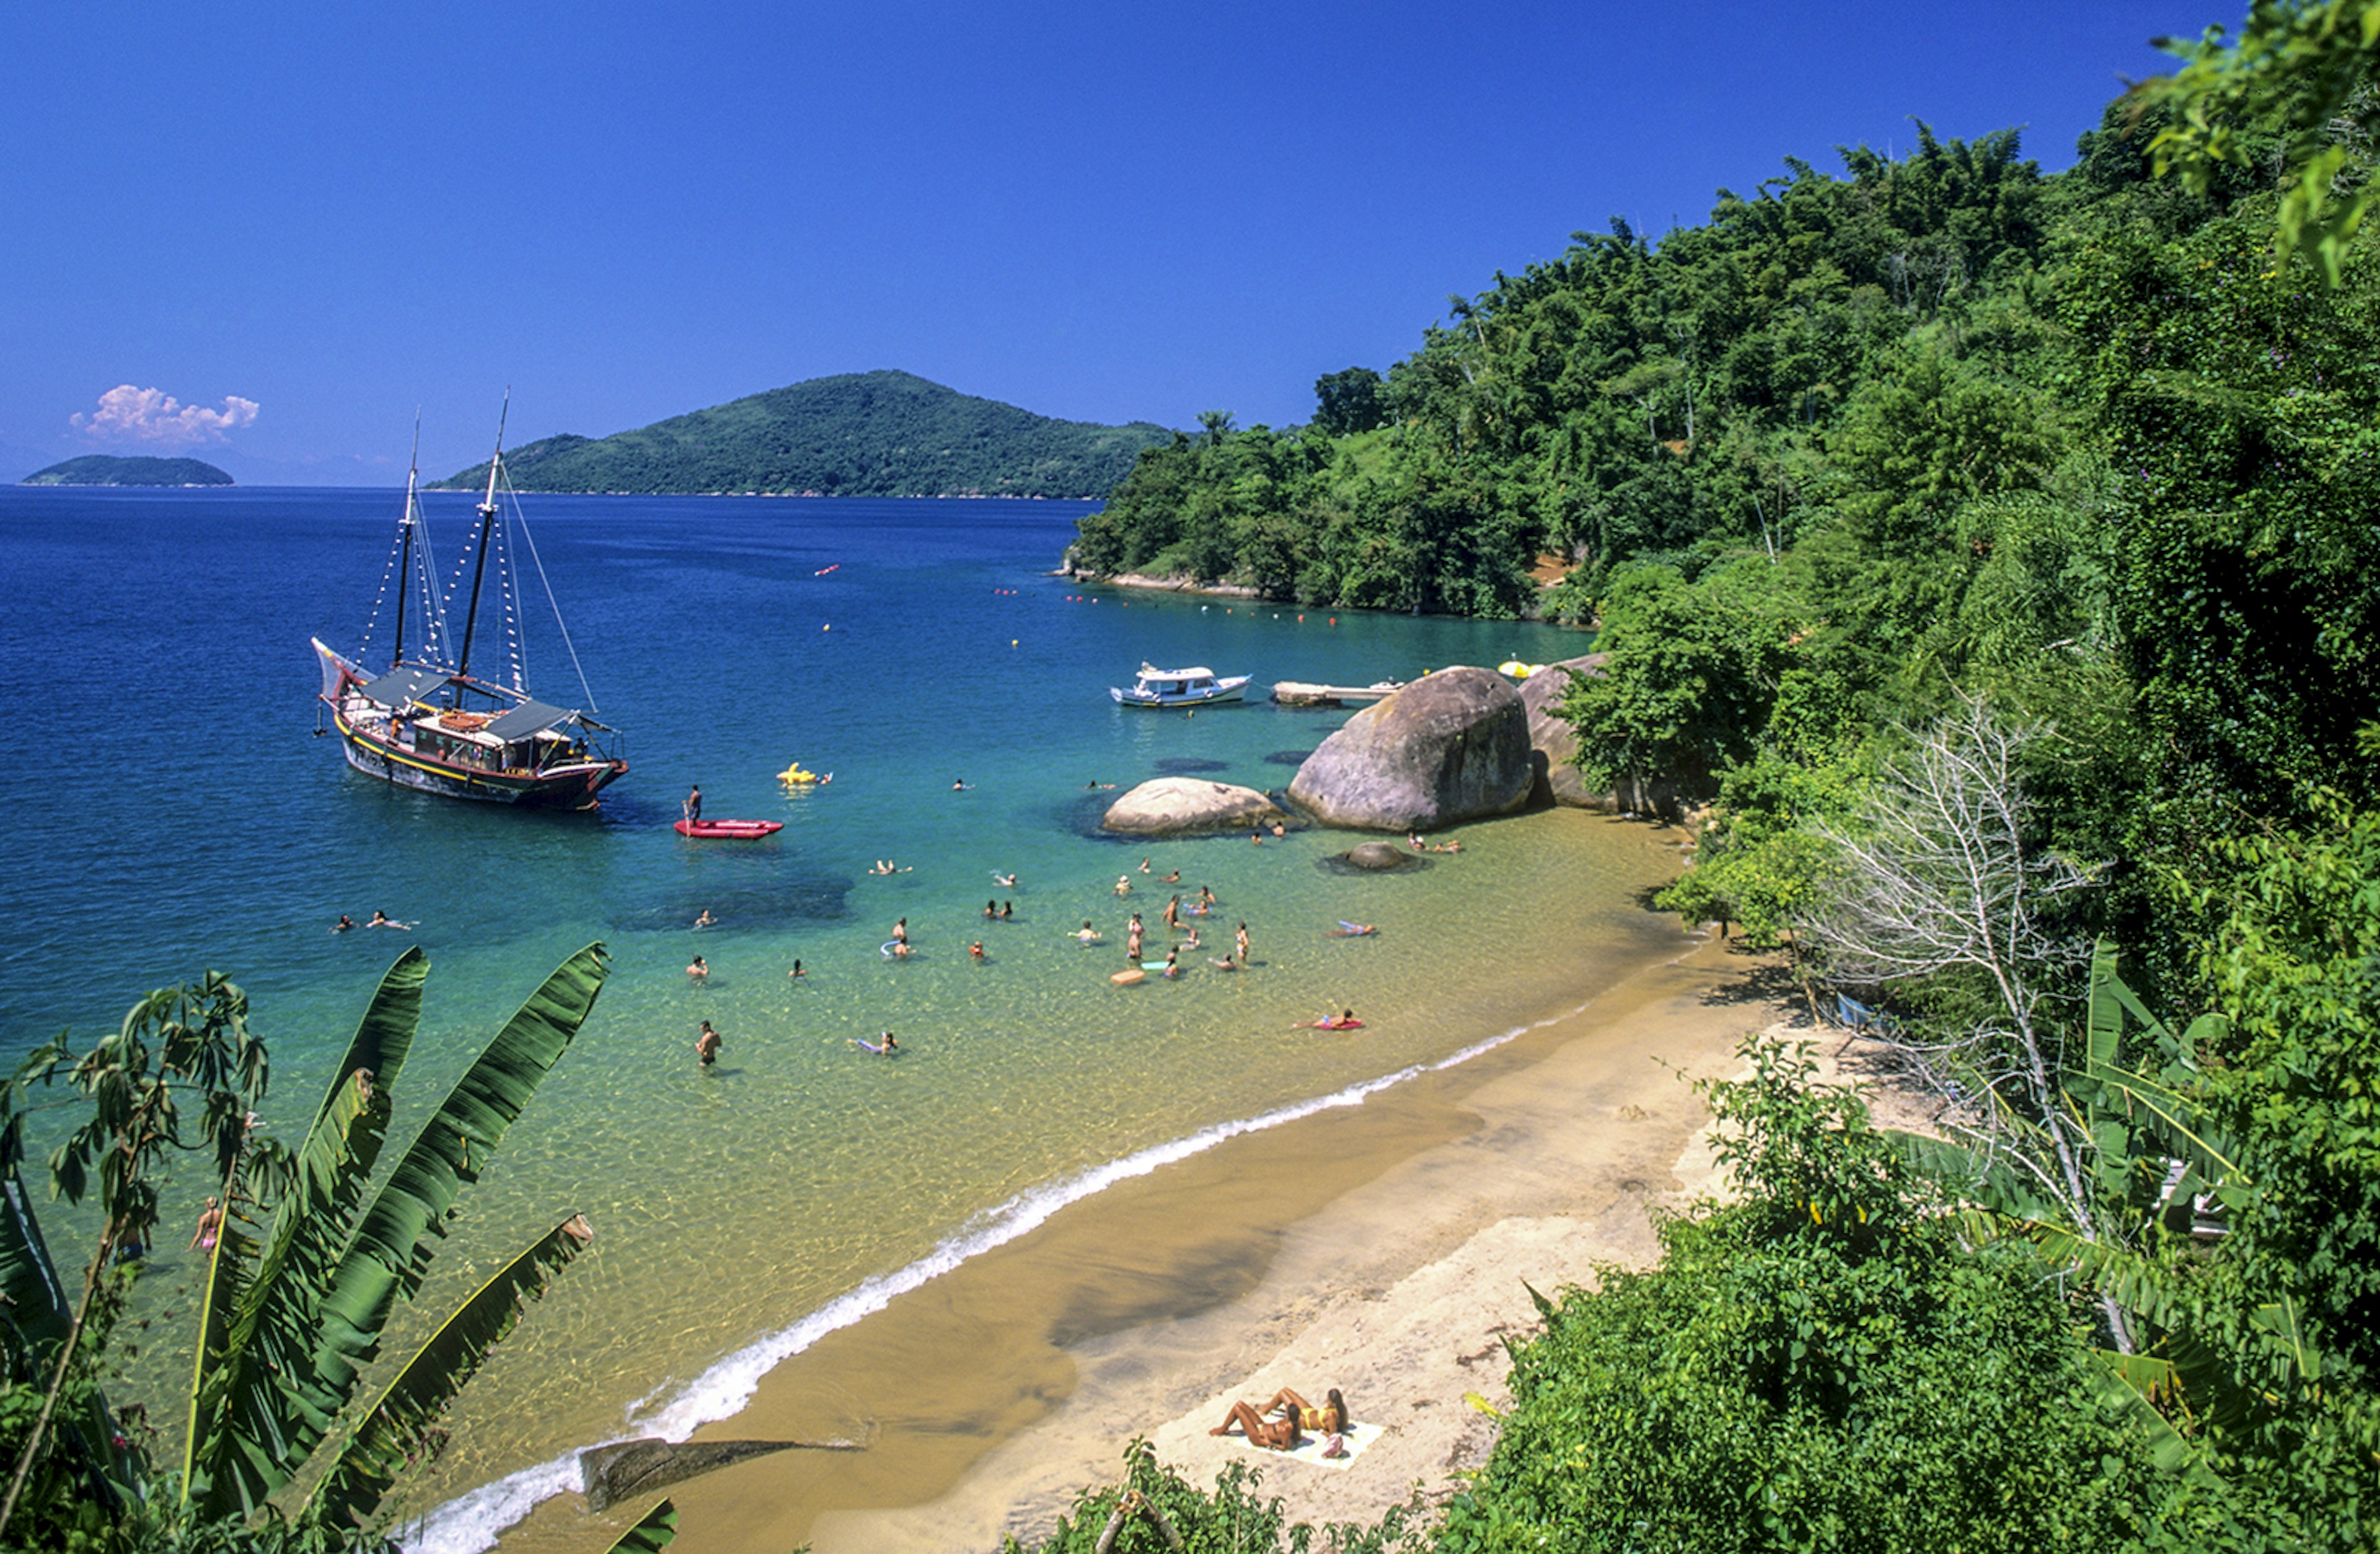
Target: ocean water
x: 173, y: 810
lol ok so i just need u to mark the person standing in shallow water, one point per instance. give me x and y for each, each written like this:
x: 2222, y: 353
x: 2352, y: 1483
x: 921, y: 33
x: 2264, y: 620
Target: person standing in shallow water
x: 706, y: 1046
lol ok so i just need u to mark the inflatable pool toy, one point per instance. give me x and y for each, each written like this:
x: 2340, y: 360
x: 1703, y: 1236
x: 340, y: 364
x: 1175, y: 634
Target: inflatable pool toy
x: 1126, y: 979
x: 795, y: 773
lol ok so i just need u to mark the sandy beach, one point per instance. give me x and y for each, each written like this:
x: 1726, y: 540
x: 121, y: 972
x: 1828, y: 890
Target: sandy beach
x: 1385, y: 1249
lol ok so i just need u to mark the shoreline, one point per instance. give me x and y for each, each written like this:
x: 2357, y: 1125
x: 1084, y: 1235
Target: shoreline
x: 997, y: 1389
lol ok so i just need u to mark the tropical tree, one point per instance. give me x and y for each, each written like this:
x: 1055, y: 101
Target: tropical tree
x: 306, y: 1272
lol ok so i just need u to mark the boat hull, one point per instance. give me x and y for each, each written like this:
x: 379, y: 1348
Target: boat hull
x: 1233, y: 691
x: 570, y: 787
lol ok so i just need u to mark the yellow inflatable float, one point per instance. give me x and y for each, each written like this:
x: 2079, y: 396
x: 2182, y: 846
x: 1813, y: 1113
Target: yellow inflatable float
x: 795, y: 773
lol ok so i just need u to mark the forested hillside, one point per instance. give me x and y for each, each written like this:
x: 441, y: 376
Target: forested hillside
x: 1989, y: 562
x: 113, y: 469
x: 859, y: 434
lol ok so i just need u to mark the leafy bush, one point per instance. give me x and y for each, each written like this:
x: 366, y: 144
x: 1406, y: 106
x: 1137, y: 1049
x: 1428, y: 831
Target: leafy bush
x: 1821, y: 1365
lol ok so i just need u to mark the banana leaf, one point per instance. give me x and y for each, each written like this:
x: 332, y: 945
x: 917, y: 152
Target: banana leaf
x: 390, y: 1251
x: 1987, y: 1183
x: 399, y: 1430
x: 249, y: 1428
x: 2127, y: 1385
x: 651, y: 1536
x: 2172, y: 1122
x: 2134, y: 1283
x: 38, y: 1307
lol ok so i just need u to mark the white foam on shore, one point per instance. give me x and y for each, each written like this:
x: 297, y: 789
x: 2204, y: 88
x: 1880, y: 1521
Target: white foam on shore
x: 472, y: 1523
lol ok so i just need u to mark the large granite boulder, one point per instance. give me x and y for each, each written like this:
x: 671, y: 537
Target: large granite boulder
x: 1453, y: 745
x: 1376, y: 857
x: 1171, y: 804
x: 1553, y: 737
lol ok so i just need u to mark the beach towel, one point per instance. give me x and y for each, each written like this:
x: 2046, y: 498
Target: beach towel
x: 1358, y: 1438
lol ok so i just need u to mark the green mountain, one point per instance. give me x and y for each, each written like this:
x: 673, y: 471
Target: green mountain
x: 858, y: 434
x: 107, y: 470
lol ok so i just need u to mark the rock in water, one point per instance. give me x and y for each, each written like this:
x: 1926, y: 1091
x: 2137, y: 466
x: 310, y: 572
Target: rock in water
x: 1453, y: 745
x: 1552, y: 736
x: 630, y: 1469
x: 1187, y: 804
x: 1375, y: 856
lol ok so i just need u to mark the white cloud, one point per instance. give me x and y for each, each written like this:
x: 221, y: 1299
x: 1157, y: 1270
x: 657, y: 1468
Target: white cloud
x: 146, y: 415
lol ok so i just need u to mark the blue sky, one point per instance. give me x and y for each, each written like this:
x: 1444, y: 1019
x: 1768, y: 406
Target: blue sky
x: 298, y: 223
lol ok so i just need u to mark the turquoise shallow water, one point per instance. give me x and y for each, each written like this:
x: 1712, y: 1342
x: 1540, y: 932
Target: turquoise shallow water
x: 172, y: 811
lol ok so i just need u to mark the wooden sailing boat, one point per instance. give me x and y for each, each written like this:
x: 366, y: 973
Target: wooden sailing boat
x: 427, y: 721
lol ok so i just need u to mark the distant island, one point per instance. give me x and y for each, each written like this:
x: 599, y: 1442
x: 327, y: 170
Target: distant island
x: 857, y: 434
x: 109, y: 469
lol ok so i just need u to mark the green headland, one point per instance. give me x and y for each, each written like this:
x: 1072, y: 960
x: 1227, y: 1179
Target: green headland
x: 855, y: 434
x: 109, y: 469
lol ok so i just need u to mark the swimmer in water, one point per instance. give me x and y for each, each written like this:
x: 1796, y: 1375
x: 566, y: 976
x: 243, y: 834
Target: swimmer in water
x: 1087, y: 934
x: 706, y: 920
x: 797, y: 971
x: 1175, y: 878
x: 211, y: 1221
x: 1279, y: 829
x: 960, y: 786
x: 343, y: 924
x: 884, y: 1049
x: 1123, y: 884
x: 1351, y: 930
x: 1005, y: 882
x: 886, y: 866
x: 974, y: 951
x: 901, y: 931
x: 1143, y: 865
x: 382, y: 920
x: 1256, y: 838
x: 706, y: 1046
x: 900, y: 949
x: 1007, y: 910
x: 1172, y: 968
x: 1192, y: 942
x: 991, y: 908
x: 699, y: 970
x: 1344, y: 1020
x: 1095, y: 783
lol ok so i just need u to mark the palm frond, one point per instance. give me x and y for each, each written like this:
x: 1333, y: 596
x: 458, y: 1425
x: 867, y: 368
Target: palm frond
x: 390, y: 1251
x: 251, y: 1427
x: 399, y: 1430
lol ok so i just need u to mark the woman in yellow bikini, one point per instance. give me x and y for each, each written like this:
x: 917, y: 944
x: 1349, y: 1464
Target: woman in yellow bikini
x: 1298, y: 1416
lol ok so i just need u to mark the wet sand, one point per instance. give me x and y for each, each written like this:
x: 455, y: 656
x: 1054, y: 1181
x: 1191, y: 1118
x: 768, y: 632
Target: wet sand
x: 1380, y: 1249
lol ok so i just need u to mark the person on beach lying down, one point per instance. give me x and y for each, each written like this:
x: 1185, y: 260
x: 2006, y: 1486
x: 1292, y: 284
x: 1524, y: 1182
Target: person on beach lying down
x: 1296, y: 1416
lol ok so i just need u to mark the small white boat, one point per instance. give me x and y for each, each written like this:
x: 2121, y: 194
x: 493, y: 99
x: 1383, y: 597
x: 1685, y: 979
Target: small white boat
x: 1180, y: 687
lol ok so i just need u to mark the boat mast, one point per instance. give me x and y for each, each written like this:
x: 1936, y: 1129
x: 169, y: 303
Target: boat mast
x: 487, y: 535
x: 405, y: 543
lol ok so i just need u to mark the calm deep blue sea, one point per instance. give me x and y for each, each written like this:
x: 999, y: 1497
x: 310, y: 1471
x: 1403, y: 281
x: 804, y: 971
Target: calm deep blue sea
x: 172, y: 809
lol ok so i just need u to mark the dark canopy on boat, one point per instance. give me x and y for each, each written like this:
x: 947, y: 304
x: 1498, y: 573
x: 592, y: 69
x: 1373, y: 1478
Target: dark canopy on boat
x: 401, y: 687
x: 530, y: 717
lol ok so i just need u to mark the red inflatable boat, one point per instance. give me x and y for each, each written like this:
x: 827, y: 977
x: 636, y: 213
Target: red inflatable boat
x: 728, y: 831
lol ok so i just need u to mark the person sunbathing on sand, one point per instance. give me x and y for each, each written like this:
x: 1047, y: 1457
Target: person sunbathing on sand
x: 1296, y: 1416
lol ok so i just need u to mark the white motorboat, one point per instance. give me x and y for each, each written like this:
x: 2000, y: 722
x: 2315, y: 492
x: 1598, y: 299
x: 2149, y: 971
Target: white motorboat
x: 1180, y: 687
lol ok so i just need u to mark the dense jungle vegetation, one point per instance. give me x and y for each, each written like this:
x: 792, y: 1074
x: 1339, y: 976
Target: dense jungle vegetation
x: 1995, y: 557
x: 855, y: 434
x: 1996, y: 554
